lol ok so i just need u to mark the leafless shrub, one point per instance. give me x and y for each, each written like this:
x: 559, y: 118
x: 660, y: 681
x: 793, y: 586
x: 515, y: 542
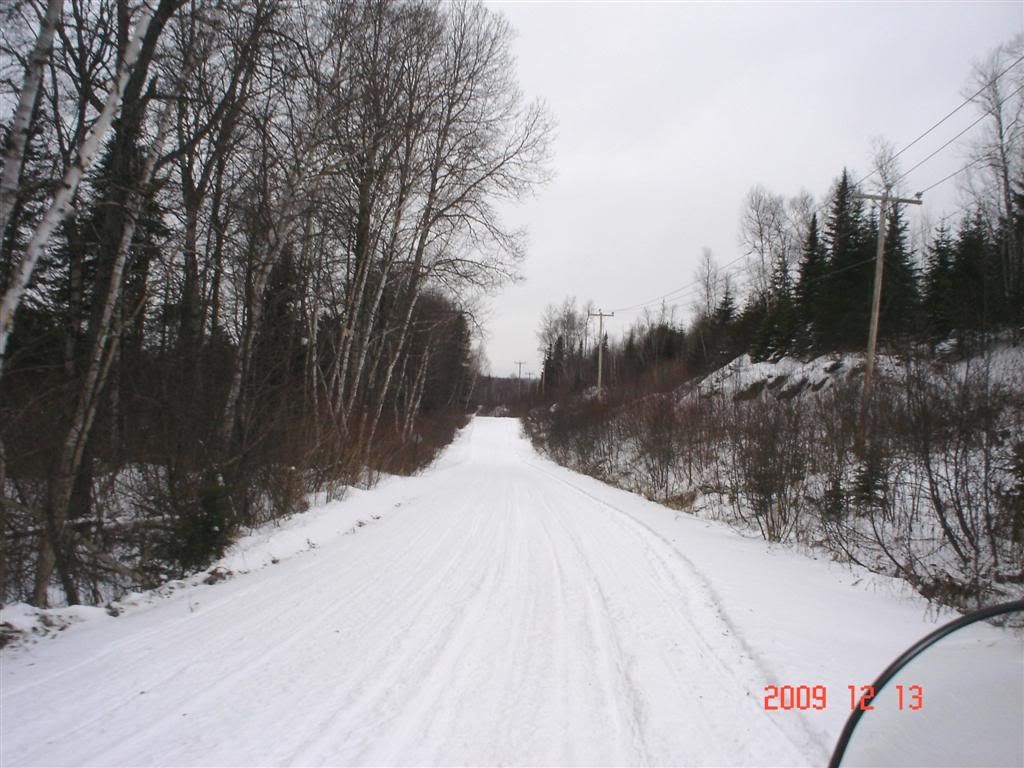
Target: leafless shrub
x: 769, y: 455
x: 925, y: 482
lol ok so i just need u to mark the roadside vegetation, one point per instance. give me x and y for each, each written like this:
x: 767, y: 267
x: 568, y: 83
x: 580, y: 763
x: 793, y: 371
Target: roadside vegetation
x: 926, y: 482
x: 241, y: 248
x: 753, y: 410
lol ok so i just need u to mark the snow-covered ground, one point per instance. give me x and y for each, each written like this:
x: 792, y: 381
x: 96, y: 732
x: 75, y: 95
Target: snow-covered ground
x: 787, y: 376
x: 497, y: 609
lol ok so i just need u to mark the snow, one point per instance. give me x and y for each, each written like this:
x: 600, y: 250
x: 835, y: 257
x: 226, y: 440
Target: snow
x: 789, y: 374
x: 497, y: 609
x: 1005, y: 363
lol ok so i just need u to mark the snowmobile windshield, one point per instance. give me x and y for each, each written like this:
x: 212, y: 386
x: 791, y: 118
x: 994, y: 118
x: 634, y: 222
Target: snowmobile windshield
x: 955, y: 698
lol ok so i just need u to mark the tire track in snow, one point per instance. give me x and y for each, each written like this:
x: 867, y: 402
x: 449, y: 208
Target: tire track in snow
x: 620, y: 567
x: 605, y: 645
x: 434, y: 665
x: 711, y: 610
x: 393, y: 666
x: 187, y: 631
x: 182, y: 628
x: 241, y: 667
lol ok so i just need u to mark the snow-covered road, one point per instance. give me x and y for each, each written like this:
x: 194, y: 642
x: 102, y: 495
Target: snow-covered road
x: 500, y: 610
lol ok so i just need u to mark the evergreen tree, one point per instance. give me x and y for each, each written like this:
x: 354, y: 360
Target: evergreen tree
x: 939, y: 301
x: 973, y: 275
x: 631, y: 355
x: 899, y: 280
x: 809, y: 309
x: 722, y: 325
x: 1014, y: 315
x: 725, y: 312
x: 556, y: 373
x: 780, y: 321
x: 847, y: 286
x: 752, y: 330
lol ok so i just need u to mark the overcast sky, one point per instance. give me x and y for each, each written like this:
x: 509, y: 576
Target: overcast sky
x: 668, y: 113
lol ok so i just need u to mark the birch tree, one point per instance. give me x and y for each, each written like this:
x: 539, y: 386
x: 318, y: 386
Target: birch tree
x: 998, y: 92
x: 60, y: 204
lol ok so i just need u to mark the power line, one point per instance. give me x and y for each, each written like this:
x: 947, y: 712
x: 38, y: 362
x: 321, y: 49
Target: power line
x: 958, y: 171
x: 965, y: 130
x: 686, y: 290
x: 694, y: 290
x: 962, y: 104
x: 685, y: 287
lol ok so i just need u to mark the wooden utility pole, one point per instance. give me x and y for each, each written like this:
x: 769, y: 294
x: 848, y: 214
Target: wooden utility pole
x: 519, y: 377
x: 600, y: 340
x: 884, y: 200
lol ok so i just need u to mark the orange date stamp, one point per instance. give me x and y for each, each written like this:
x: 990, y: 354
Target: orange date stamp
x: 816, y: 697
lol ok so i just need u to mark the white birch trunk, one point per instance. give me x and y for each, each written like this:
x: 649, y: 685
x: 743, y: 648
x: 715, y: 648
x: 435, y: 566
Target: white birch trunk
x: 417, y: 393
x: 14, y: 157
x: 406, y: 325
x: 101, y: 356
x: 61, y: 203
x: 371, y: 317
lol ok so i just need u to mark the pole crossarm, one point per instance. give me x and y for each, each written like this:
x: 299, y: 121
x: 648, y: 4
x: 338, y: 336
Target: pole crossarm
x: 916, y: 200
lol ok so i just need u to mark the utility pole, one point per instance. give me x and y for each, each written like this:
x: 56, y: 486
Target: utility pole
x: 600, y: 340
x: 519, y: 378
x: 884, y: 200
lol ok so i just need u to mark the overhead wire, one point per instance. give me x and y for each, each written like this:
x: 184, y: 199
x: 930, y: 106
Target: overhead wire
x: 958, y: 171
x: 965, y: 130
x: 683, y: 288
x: 687, y: 289
x: 962, y: 104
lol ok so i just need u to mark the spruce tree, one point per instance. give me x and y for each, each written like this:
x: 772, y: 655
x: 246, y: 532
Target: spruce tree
x: 722, y: 324
x: 939, y: 300
x: 808, y: 305
x: 972, y: 277
x: 753, y: 330
x: 847, y: 293
x: 899, y: 284
x: 780, y: 322
x: 1014, y: 315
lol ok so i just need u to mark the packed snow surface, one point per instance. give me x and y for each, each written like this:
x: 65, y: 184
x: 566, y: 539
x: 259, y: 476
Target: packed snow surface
x: 497, y: 609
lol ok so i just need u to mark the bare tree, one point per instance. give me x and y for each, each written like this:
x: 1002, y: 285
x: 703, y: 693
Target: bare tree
x: 709, y: 281
x: 281, y: 219
x: 764, y: 236
x: 998, y: 92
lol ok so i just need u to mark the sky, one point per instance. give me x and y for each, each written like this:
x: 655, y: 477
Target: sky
x: 668, y: 114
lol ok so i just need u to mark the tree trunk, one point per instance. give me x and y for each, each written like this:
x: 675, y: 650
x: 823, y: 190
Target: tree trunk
x: 103, y: 351
x: 61, y: 203
x: 17, y: 139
